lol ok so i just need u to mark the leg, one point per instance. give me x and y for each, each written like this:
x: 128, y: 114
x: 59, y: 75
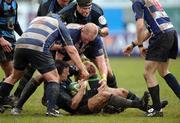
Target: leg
x: 52, y: 91
x: 97, y: 102
x: 169, y: 78
x: 7, y: 67
x: 29, y: 89
x: 8, y: 84
x: 23, y: 81
x: 116, y: 103
x: 153, y: 86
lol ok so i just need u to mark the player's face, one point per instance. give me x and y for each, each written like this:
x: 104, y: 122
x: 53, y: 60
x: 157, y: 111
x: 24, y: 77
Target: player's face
x: 87, y: 37
x: 84, y: 11
x: 64, y: 74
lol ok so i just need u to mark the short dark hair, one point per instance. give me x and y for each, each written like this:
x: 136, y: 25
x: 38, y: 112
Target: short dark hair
x: 61, y: 65
x: 84, y: 3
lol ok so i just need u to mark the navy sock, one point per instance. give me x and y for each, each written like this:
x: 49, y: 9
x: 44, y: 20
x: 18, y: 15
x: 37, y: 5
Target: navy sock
x: 173, y: 84
x: 5, y: 90
x: 111, y: 81
x: 52, y: 93
x: 29, y: 89
x: 132, y: 96
x: 154, y: 92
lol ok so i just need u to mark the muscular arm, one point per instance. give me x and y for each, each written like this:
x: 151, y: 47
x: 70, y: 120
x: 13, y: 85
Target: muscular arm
x: 142, y: 34
x: 78, y: 97
x: 101, y: 65
x: 73, y: 53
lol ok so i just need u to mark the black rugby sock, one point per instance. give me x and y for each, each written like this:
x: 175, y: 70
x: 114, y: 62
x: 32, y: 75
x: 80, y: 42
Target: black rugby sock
x: 111, y: 81
x: 5, y: 90
x: 121, y: 102
x: 29, y: 89
x: 154, y: 92
x: 132, y: 96
x: 173, y: 84
x: 52, y: 92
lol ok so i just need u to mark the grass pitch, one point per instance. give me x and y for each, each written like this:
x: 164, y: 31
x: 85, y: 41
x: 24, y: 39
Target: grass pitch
x: 129, y: 74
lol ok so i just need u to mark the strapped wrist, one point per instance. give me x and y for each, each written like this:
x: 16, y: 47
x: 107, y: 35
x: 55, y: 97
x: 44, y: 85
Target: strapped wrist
x: 104, y: 77
x: 140, y: 45
x: 133, y: 44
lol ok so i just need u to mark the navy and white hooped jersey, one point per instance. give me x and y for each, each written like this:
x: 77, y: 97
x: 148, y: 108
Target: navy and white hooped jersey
x: 42, y: 33
x: 154, y: 15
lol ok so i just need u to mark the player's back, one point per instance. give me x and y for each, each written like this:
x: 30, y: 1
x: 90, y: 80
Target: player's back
x: 40, y: 35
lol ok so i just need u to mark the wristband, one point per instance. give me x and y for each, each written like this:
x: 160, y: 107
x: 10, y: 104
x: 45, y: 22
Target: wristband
x: 133, y: 44
x: 140, y: 45
x: 104, y: 77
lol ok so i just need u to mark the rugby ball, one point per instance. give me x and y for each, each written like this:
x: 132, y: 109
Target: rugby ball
x: 74, y: 88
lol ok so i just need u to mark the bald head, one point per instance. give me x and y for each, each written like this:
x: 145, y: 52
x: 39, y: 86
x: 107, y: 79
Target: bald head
x: 89, y: 32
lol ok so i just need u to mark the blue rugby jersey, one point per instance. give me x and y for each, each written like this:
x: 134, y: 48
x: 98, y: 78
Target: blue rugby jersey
x: 154, y: 15
x: 95, y: 47
x: 42, y: 33
x: 8, y: 19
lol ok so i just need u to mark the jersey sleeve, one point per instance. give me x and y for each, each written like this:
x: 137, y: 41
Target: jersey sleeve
x: 97, y: 47
x: 66, y: 38
x: 138, y: 10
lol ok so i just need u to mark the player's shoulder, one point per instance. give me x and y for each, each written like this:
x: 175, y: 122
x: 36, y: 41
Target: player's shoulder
x: 97, y: 9
x: 44, y: 2
x: 139, y: 1
x: 68, y: 9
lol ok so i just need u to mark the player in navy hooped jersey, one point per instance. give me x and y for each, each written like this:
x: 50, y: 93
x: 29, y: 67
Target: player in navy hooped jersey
x: 163, y: 45
x: 33, y: 47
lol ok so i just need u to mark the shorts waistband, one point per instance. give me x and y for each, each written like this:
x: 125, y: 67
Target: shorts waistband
x: 165, y: 31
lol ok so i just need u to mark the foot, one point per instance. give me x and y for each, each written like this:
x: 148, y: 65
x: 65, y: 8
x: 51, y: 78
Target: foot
x: 2, y: 109
x: 144, y: 101
x: 16, y: 111
x: 154, y: 113
x: 10, y: 101
x: 164, y: 103
x: 53, y: 112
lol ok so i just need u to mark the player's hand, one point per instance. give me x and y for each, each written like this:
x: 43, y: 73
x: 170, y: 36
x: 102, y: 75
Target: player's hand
x: 128, y: 49
x: 5, y: 45
x: 84, y: 74
x: 82, y: 83
x: 103, y: 85
x: 143, y: 51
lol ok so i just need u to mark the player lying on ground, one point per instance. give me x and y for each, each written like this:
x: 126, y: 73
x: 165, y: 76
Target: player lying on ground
x: 91, y: 101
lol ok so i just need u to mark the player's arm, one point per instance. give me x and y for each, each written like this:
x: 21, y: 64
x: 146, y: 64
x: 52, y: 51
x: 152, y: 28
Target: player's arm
x: 17, y: 26
x: 72, y: 51
x: 78, y: 97
x: 102, y: 67
x: 142, y: 33
x: 5, y: 44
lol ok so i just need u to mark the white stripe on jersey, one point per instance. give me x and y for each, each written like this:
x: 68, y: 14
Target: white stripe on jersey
x: 36, y: 36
